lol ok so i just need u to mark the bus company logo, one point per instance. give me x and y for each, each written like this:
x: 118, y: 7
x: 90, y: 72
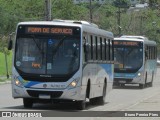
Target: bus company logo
x: 45, y: 85
x: 6, y: 114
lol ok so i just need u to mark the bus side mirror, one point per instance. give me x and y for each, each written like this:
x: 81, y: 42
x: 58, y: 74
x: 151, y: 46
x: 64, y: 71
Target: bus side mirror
x: 10, y: 43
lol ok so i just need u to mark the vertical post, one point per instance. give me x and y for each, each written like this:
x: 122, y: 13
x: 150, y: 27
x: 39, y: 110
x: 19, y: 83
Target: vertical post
x: 119, y: 21
x: 47, y: 10
x: 6, y: 64
x: 140, y: 25
x: 90, y: 10
x: 154, y: 24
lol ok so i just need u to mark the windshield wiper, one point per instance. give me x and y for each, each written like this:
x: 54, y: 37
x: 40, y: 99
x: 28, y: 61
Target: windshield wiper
x: 59, y: 44
x: 42, y: 53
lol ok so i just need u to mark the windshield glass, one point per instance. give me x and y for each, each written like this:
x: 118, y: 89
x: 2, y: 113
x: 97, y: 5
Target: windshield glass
x: 56, y: 55
x: 128, y: 58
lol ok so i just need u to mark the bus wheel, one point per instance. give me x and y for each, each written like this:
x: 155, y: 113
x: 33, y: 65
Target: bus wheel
x: 81, y: 105
x: 27, y: 102
x: 101, y: 100
x: 141, y: 86
x: 151, y: 83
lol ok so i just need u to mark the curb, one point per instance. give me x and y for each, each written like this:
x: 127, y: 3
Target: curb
x: 6, y: 82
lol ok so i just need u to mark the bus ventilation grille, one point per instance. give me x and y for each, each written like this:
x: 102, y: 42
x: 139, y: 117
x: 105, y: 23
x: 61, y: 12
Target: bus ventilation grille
x: 53, y: 94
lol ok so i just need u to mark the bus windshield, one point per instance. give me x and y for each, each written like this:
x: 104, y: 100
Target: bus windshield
x: 47, y: 55
x: 128, y: 58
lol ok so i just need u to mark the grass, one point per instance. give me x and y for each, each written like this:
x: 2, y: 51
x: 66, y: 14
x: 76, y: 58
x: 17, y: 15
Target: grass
x: 3, y: 65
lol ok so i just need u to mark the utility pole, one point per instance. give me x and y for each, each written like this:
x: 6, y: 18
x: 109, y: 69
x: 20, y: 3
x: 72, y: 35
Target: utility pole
x: 119, y: 20
x: 47, y: 10
x: 90, y: 10
x: 7, y: 74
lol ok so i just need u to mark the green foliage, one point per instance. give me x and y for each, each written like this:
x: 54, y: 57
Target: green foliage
x: 3, y: 64
x: 105, y: 15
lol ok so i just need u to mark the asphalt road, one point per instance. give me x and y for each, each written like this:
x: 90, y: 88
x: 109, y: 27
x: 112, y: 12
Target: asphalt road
x: 128, y: 98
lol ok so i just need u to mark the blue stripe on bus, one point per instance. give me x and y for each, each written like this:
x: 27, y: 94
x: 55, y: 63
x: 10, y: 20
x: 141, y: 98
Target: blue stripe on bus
x: 31, y: 83
x: 127, y: 75
x: 109, y: 69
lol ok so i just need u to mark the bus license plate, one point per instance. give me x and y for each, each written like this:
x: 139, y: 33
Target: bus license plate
x: 122, y: 81
x: 43, y: 96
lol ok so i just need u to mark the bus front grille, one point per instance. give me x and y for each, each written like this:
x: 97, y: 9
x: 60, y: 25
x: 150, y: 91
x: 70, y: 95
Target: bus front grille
x: 53, y: 94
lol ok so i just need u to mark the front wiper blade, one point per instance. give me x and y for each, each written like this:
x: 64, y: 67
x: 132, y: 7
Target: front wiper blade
x: 37, y: 45
x: 59, y: 44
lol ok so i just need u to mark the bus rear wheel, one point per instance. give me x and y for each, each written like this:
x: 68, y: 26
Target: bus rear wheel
x: 101, y: 100
x: 151, y: 83
x: 27, y: 102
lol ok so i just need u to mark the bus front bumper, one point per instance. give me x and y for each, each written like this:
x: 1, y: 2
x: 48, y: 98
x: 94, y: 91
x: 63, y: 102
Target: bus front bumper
x: 76, y: 93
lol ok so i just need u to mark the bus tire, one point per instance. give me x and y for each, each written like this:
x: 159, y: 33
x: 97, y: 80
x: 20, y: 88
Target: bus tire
x: 81, y: 105
x: 27, y: 102
x: 142, y: 86
x: 101, y: 100
x: 151, y: 83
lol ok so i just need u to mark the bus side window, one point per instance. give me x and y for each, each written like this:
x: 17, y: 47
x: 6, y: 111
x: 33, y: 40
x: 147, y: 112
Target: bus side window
x: 94, y: 48
x: 96, y: 40
x: 85, y: 48
x: 146, y: 53
x: 110, y: 49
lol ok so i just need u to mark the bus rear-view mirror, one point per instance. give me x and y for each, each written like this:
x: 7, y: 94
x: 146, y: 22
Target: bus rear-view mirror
x: 10, y: 45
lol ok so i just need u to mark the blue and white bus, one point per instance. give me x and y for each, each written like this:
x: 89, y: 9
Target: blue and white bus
x: 135, y: 60
x: 61, y: 60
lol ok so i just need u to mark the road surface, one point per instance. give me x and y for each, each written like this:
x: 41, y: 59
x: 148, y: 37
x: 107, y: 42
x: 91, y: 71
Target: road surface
x: 128, y: 98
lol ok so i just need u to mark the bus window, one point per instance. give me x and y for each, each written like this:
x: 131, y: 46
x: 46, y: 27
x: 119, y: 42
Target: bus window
x: 94, y: 48
x: 91, y: 43
x: 96, y: 40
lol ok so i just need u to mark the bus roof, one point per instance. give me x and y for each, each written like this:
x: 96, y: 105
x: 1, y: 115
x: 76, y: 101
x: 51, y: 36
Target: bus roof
x: 132, y: 36
x: 86, y: 26
x: 136, y: 38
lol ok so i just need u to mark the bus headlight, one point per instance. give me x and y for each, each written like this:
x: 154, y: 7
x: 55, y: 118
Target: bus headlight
x: 18, y: 83
x: 74, y: 83
x: 139, y: 74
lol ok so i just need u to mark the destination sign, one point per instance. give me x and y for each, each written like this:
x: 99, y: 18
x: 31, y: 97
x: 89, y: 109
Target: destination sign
x: 126, y: 43
x: 49, y: 30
